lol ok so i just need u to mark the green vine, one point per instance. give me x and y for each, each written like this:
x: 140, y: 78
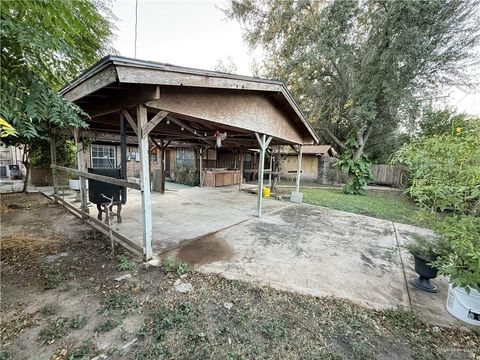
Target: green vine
x: 360, y: 170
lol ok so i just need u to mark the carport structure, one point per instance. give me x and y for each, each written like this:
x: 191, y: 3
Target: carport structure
x: 159, y: 104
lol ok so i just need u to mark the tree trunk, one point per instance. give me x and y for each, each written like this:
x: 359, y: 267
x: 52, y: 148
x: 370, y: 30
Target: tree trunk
x: 26, y: 163
x: 362, y: 137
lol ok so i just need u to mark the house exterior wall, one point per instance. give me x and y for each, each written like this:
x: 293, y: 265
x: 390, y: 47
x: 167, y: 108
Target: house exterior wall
x: 212, y: 159
x: 309, y: 167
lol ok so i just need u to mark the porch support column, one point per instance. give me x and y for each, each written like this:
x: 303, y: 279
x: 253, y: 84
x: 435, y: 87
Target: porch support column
x: 263, y: 141
x: 53, y: 160
x: 162, y: 146
x: 297, y: 196
x: 241, y: 154
x: 299, y: 168
x: 145, y: 180
x: 162, y: 168
x: 200, y: 167
x: 270, y: 173
x: 82, y: 166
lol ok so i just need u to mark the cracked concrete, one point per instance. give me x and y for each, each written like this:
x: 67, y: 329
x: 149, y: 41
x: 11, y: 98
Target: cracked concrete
x: 322, y: 252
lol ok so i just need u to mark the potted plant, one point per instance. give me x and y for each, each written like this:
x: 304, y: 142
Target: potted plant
x: 425, y: 252
x: 461, y: 264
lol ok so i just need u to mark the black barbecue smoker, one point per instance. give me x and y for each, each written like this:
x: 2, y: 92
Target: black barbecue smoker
x: 108, y: 195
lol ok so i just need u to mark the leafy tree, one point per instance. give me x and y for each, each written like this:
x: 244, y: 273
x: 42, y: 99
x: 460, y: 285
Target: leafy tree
x: 6, y: 129
x: 226, y: 65
x: 359, y: 66
x: 44, y: 44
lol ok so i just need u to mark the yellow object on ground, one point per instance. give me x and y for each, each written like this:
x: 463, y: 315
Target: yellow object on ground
x: 266, y: 192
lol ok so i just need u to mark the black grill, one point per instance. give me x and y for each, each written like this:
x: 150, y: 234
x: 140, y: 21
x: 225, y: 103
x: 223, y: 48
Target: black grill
x: 98, y: 188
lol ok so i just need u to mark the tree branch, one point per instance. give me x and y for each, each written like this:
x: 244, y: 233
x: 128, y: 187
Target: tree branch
x: 337, y: 140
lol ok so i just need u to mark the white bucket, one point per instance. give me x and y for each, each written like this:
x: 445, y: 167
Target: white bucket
x: 74, y: 184
x: 463, y: 306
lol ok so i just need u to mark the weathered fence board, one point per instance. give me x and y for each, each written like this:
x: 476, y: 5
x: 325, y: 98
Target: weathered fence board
x: 390, y: 175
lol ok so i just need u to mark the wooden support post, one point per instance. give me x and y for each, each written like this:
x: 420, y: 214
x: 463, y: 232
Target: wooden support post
x: 145, y: 181
x: 162, y: 167
x: 200, y: 168
x: 53, y: 160
x: 271, y: 169
x: 241, y: 170
x: 82, y: 166
x: 263, y: 141
x: 162, y: 146
x: 299, y: 168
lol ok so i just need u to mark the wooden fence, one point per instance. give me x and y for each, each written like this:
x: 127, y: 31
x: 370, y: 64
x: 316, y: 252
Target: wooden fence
x: 390, y: 175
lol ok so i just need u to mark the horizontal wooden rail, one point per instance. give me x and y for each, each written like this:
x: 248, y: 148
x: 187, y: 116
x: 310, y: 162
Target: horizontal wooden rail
x: 120, y: 239
x: 107, y: 179
x: 266, y: 171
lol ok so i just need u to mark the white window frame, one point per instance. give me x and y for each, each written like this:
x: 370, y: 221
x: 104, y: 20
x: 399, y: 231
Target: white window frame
x: 113, y: 161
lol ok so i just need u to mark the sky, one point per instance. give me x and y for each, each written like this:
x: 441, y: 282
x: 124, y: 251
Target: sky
x: 196, y: 33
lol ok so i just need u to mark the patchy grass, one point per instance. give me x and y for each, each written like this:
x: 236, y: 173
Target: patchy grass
x: 169, y: 264
x: 52, y: 277
x: 119, y: 302
x: 387, y: 205
x: 106, y: 326
x: 50, y: 309
x: 77, y: 322
x: 53, y: 331
x: 266, y: 323
x: 87, y: 350
x: 124, y: 263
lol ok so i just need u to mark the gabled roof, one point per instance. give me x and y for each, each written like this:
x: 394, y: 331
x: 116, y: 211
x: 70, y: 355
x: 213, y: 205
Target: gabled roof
x: 318, y: 150
x: 314, y: 150
x: 122, y: 70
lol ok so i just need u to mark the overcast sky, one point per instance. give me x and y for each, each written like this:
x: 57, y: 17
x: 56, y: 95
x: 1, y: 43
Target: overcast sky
x: 195, y: 33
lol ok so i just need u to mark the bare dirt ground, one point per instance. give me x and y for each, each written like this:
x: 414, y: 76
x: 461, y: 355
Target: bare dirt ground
x: 60, y: 300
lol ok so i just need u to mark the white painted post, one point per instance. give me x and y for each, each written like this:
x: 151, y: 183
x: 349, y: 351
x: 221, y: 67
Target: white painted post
x: 270, y: 173
x: 299, y: 168
x: 263, y: 142
x: 200, y: 155
x: 241, y: 171
x: 82, y: 166
x: 296, y: 196
x: 145, y: 180
x: 261, y: 165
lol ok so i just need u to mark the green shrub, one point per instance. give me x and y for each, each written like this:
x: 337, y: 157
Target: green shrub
x: 444, y: 170
x: 461, y: 259
x: 427, y: 248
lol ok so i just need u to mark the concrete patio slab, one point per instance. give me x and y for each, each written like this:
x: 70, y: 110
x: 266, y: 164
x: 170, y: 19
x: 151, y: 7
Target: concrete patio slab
x: 322, y: 252
x: 183, y: 213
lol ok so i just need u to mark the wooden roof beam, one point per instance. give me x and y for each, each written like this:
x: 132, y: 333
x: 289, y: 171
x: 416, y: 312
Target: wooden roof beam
x: 190, y: 129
